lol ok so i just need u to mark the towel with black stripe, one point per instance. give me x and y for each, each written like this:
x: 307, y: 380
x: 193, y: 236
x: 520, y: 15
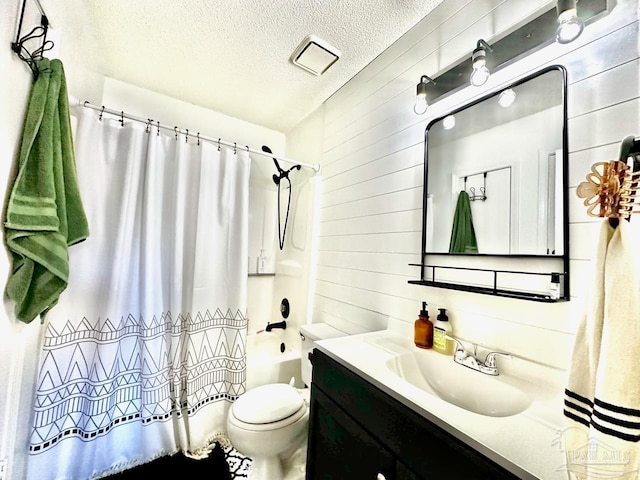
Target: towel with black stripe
x: 602, y: 398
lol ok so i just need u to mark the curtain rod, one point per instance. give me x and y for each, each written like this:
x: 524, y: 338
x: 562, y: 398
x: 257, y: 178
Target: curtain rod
x: 122, y: 115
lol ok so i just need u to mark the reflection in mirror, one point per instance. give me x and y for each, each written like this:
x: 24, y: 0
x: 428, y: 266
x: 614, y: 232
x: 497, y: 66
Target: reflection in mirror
x: 495, y: 173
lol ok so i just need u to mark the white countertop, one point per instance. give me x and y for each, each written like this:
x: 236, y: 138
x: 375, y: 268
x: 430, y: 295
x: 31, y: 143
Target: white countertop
x: 527, y: 444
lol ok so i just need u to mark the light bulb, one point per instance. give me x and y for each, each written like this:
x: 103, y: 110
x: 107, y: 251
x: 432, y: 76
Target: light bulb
x: 570, y: 26
x: 506, y: 98
x: 421, y: 104
x: 480, y: 75
x: 449, y: 122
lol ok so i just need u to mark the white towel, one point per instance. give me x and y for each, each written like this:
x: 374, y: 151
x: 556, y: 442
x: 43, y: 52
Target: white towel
x: 602, y: 399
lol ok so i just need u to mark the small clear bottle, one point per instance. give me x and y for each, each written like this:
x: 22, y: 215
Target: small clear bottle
x: 554, y: 286
x: 262, y: 262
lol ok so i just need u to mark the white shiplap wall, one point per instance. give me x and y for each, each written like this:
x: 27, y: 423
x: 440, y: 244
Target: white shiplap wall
x: 372, y: 168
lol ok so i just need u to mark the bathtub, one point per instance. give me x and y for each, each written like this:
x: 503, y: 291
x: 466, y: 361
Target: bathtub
x: 273, y: 357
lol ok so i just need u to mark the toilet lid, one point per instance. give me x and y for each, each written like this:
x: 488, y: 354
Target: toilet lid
x: 267, y: 404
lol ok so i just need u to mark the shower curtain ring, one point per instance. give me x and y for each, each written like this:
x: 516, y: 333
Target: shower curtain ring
x: 247, y: 148
x: 158, y: 132
x: 234, y: 148
x: 218, y: 144
x: 175, y: 130
x: 198, y: 138
x: 148, y: 129
x: 101, y: 113
x: 186, y: 136
x: 121, y: 118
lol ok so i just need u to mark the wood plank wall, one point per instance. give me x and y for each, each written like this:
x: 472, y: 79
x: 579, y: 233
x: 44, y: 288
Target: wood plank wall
x: 372, y: 172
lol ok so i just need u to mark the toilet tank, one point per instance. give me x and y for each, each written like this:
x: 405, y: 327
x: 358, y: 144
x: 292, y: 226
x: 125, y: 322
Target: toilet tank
x: 308, y: 335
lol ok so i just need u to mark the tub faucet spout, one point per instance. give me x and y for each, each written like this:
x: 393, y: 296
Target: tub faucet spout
x: 271, y: 326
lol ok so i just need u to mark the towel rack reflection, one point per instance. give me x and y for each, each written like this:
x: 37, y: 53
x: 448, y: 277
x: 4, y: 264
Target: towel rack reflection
x: 473, y: 196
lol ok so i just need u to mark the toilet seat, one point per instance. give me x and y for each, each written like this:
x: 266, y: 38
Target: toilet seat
x: 281, y: 424
x: 268, y: 407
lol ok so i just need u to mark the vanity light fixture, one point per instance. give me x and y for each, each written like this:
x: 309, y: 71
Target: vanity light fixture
x: 422, y: 104
x: 570, y: 26
x: 480, y: 73
x: 449, y: 122
x: 506, y: 98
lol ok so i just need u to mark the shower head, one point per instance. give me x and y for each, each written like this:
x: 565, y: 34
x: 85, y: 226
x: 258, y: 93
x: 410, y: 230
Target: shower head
x: 281, y: 173
x: 276, y: 177
x: 268, y: 150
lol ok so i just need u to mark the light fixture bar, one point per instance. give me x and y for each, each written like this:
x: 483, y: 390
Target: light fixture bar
x: 536, y: 34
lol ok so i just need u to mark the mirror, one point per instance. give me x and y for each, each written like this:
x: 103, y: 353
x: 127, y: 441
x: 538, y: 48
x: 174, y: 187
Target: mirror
x: 507, y: 151
x: 495, y: 193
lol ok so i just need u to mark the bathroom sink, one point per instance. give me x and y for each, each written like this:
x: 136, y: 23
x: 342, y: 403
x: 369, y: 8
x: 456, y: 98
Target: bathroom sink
x: 439, y: 375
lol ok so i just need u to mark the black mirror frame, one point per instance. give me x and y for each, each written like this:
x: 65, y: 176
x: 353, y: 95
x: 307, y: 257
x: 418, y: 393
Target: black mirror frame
x: 565, y: 212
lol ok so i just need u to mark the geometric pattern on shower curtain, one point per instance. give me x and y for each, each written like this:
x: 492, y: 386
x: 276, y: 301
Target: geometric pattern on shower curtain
x: 98, y: 375
x: 166, y: 263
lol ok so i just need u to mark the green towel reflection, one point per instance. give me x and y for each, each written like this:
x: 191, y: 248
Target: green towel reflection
x: 463, y: 236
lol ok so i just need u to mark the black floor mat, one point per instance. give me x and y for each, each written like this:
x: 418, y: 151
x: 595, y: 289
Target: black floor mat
x: 214, y: 467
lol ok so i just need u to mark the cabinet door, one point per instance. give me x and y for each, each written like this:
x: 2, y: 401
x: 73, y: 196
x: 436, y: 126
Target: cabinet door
x: 403, y: 473
x: 340, y: 449
x: 428, y: 451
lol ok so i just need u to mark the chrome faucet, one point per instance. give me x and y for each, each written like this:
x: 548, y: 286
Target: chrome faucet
x: 471, y: 361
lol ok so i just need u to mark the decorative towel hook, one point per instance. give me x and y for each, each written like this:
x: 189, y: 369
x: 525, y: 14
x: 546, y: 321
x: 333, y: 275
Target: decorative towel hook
x: 40, y: 31
x: 630, y: 147
x: 610, y: 190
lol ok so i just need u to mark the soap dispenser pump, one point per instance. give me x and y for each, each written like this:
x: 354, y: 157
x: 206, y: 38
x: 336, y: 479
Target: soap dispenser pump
x: 423, y: 329
x: 442, y: 330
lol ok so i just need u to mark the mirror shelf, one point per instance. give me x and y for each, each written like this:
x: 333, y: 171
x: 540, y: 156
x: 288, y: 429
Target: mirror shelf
x: 496, y: 286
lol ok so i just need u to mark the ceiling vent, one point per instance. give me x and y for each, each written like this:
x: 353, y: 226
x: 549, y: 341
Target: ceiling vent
x: 315, y: 55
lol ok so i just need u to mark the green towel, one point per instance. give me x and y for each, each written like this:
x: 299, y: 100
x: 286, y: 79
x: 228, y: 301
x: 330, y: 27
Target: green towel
x: 463, y: 235
x: 44, y: 213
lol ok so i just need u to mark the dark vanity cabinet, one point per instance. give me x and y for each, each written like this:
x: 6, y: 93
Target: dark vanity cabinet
x: 358, y: 432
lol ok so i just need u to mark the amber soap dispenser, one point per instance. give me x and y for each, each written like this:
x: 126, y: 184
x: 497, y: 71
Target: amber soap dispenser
x: 423, y: 329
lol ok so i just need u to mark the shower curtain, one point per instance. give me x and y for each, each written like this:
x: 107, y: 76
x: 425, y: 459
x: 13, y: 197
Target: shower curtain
x: 146, y: 349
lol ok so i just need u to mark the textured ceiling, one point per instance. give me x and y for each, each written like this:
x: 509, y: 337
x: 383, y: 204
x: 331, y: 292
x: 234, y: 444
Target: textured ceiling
x: 232, y: 56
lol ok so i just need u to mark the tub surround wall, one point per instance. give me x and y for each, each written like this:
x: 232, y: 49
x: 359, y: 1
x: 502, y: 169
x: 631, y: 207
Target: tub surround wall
x: 372, y: 167
x: 294, y: 272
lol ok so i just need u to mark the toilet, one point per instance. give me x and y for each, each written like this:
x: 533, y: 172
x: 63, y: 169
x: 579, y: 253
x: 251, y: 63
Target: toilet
x: 269, y: 420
